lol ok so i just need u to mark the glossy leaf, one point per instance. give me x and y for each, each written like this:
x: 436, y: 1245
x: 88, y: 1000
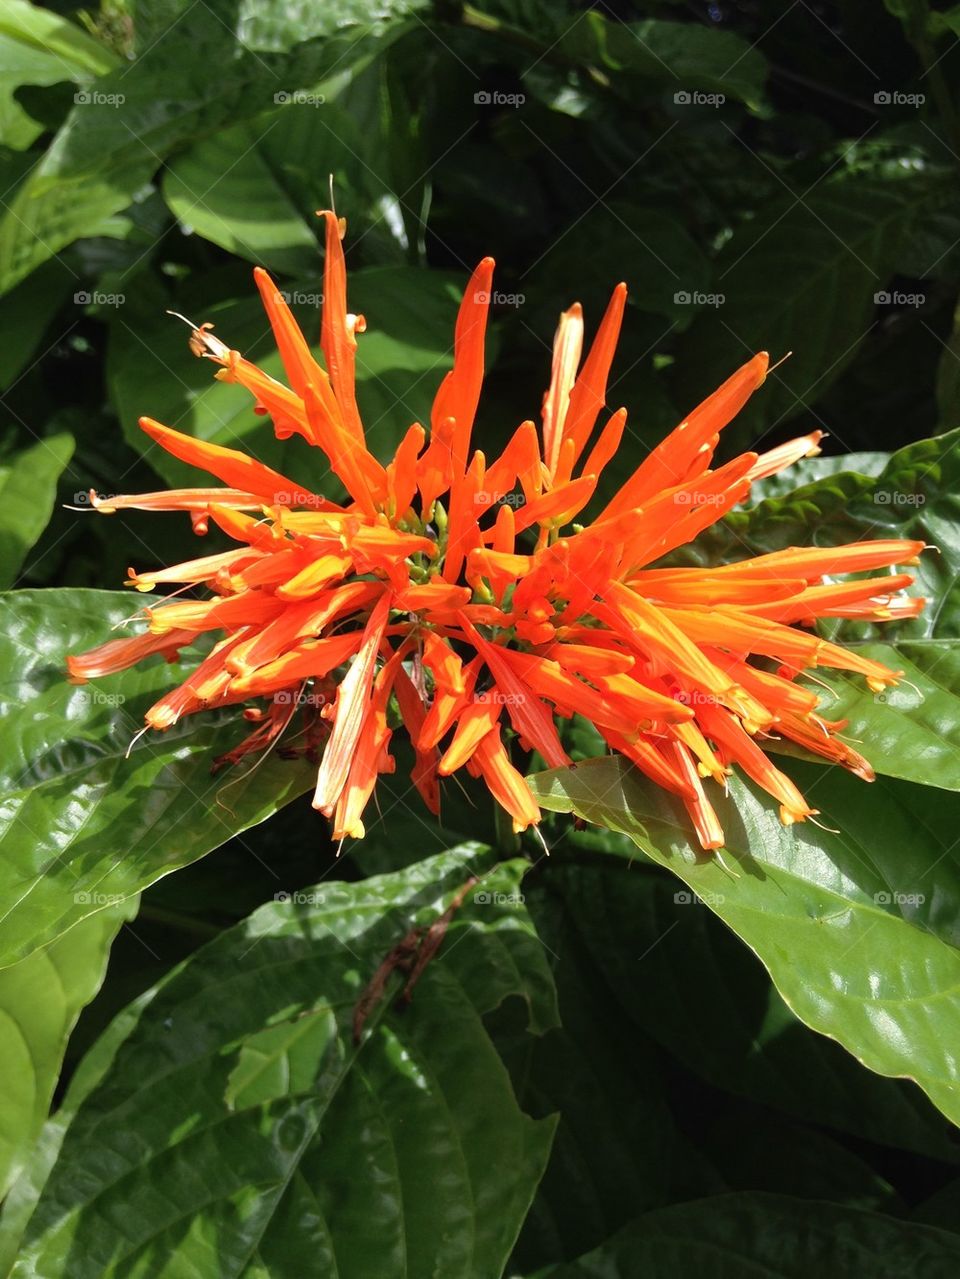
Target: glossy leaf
x: 28, y: 486
x: 803, y: 278
x: 731, y: 1236
x: 276, y: 173
x: 40, y: 48
x: 81, y: 825
x: 117, y: 135
x: 823, y: 911
x: 262, y: 1141
x: 682, y: 976
x: 40, y: 1000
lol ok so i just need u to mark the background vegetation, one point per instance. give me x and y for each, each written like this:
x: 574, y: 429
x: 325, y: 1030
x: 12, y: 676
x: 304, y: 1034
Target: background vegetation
x: 594, y: 1061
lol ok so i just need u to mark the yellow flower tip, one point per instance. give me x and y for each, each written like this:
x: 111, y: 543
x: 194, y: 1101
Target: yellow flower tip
x: 102, y: 505
x: 161, y: 717
x: 877, y: 683
x: 790, y: 815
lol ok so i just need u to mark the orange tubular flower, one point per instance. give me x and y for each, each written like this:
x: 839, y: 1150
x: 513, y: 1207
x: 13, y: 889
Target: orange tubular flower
x: 457, y: 590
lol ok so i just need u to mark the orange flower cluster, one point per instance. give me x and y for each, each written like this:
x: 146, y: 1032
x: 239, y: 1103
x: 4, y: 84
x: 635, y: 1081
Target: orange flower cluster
x: 461, y: 592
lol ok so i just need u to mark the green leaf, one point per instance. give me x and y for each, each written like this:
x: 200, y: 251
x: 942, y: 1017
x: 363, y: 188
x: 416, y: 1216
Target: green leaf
x: 809, y: 470
x: 42, y: 48
x: 126, y: 124
x: 824, y: 911
x: 674, y: 55
x: 912, y: 731
x: 263, y: 1141
x: 732, y: 1236
x: 680, y: 55
x: 616, y: 1149
x: 802, y: 277
x: 682, y: 976
x: 81, y: 825
x: 26, y: 312
x: 276, y: 172
x: 28, y: 486
x: 40, y: 1000
x: 666, y: 266
x: 401, y: 360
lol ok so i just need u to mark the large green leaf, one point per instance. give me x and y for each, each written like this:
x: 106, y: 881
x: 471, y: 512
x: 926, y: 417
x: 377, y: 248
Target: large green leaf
x: 28, y: 486
x: 802, y: 277
x: 682, y: 976
x: 240, y: 1130
x: 826, y: 912
x: 733, y: 1236
x: 40, y: 1000
x: 616, y: 1149
x: 675, y: 56
x: 401, y: 360
x: 39, y: 47
x: 81, y: 825
x: 26, y: 312
x: 128, y: 121
x: 912, y: 731
x: 276, y: 172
